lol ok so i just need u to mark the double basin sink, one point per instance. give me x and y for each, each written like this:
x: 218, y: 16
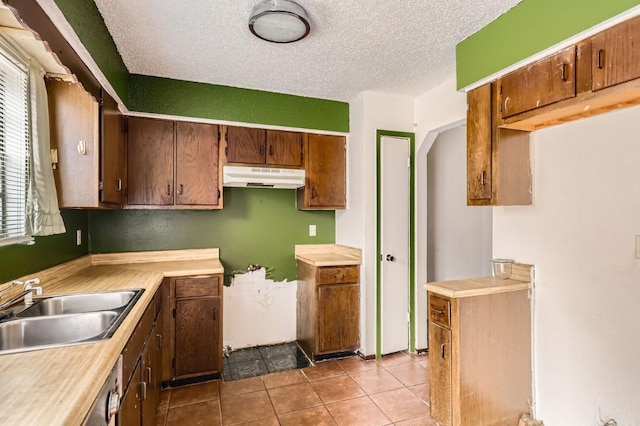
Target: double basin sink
x: 57, y: 321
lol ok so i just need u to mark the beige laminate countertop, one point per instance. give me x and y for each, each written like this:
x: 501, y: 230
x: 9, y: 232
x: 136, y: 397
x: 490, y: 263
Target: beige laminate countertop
x: 521, y: 279
x: 58, y: 386
x: 328, y: 255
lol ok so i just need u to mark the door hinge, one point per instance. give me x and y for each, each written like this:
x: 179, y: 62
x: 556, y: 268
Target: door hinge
x: 408, y: 162
x: 100, y: 186
x: 408, y: 316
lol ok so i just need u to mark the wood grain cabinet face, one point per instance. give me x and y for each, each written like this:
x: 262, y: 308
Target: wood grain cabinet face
x: 89, y: 139
x: 440, y: 373
x: 246, y: 145
x: 173, y: 164
x: 325, y: 173
x: 542, y: 83
x: 197, y: 151
x: 150, y: 161
x: 284, y: 149
x: 479, y: 142
x: 328, y: 309
x: 615, y: 55
x: 195, y: 326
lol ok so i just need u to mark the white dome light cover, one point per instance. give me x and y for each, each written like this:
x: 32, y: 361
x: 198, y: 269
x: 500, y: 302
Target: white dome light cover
x: 279, y: 21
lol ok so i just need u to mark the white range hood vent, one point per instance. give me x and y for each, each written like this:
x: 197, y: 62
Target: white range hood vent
x: 262, y: 177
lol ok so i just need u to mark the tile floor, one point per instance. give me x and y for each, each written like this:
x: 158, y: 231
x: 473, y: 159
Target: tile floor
x: 261, y: 360
x: 348, y: 391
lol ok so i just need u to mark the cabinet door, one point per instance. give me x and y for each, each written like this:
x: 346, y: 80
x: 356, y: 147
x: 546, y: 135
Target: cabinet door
x: 148, y: 379
x: 615, y: 56
x: 74, y: 130
x: 479, y: 142
x: 197, y: 164
x: 284, y: 148
x: 130, y: 413
x: 197, y: 336
x: 338, y: 317
x: 150, y: 161
x: 325, y: 181
x: 440, y: 373
x: 547, y: 81
x: 113, y: 152
x: 246, y: 145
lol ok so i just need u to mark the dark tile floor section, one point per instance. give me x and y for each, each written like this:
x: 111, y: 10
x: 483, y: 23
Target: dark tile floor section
x: 261, y: 360
x: 341, y: 392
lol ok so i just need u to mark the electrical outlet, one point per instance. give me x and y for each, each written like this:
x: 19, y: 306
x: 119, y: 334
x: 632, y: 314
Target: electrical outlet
x: 78, y: 237
x: 312, y: 230
x: 637, y: 246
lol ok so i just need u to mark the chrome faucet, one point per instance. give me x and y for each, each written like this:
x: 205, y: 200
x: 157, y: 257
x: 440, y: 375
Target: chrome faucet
x: 27, y: 293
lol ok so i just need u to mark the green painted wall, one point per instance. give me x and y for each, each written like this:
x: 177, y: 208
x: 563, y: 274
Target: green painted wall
x: 86, y: 21
x: 528, y: 28
x: 256, y: 226
x: 189, y: 99
x: 19, y: 260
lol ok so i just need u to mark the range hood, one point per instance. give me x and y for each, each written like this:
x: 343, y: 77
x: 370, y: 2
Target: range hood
x: 262, y: 177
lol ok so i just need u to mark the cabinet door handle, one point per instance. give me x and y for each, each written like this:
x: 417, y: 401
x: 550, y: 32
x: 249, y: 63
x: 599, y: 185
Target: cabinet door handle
x: 143, y: 391
x: 118, y: 185
x: 148, y: 370
x: 483, y: 178
x: 271, y: 150
x: 564, y: 72
x: 158, y: 341
x: 437, y: 311
x: 600, y: 59
x: 168, y: 189
x: 180, y: 189
x: 442, y: 350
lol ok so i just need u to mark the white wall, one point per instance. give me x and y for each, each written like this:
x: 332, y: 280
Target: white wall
x: 459, y: 243
x: 436, y: 111
x: 356, y: 226
x: 579, y: 234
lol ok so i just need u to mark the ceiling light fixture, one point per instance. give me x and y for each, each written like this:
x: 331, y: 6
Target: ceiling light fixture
x: 279, y: 21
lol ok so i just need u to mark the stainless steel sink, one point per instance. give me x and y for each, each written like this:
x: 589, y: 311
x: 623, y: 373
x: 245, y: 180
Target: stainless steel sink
x: 64, y: 320
x: 78, y: 303
x: 22, y: 334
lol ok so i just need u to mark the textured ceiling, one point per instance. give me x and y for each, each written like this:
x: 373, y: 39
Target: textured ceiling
x: 403, y: 47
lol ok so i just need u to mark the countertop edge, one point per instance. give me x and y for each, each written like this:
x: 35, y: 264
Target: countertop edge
x: 458, y: 294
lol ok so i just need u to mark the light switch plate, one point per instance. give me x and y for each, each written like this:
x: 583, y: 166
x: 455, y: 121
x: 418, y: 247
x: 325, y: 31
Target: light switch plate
x: 312, y: 230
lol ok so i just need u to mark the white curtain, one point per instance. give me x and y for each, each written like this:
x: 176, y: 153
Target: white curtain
x: 43, y: 214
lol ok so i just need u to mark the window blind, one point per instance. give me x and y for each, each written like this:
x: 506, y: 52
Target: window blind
x: 14, y: 150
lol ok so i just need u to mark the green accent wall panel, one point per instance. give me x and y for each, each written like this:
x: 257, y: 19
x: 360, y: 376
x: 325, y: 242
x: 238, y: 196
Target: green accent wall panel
x: 256, y: 226
x: 19, y: 260
x: 201, y: 100
x: 86, y: 21
x: 528, y: 28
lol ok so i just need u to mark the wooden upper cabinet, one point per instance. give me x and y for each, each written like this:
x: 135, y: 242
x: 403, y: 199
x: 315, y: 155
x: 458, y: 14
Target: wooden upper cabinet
x: 113, y: 151
x: 150, y: 161
x: 197, y: 150
x: 542, y: 83
x: 284, y: 148
x: 246, y: 145
x: 74, y: 130
x: 325, y: 173
x: 479, y: 138
x: 615, y: 55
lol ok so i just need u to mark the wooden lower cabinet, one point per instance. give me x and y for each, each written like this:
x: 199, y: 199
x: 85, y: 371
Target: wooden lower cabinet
x: 480, y: 358
x: 194, y: 324
x: 141, y: 364
x: 328, y: 309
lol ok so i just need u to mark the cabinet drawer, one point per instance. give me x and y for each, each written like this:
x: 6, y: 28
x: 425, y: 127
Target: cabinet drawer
x: 440, y: 311
x: 197, y: 287
x: 335, y: 275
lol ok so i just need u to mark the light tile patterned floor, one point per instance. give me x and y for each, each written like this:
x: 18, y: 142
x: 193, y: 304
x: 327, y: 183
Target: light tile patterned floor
x: 348, y: 391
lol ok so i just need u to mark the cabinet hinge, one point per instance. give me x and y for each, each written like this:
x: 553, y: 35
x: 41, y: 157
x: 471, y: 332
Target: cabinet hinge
x: 100, y: 186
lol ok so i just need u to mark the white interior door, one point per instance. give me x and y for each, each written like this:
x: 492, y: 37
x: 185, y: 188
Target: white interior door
x: 394, y: 239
